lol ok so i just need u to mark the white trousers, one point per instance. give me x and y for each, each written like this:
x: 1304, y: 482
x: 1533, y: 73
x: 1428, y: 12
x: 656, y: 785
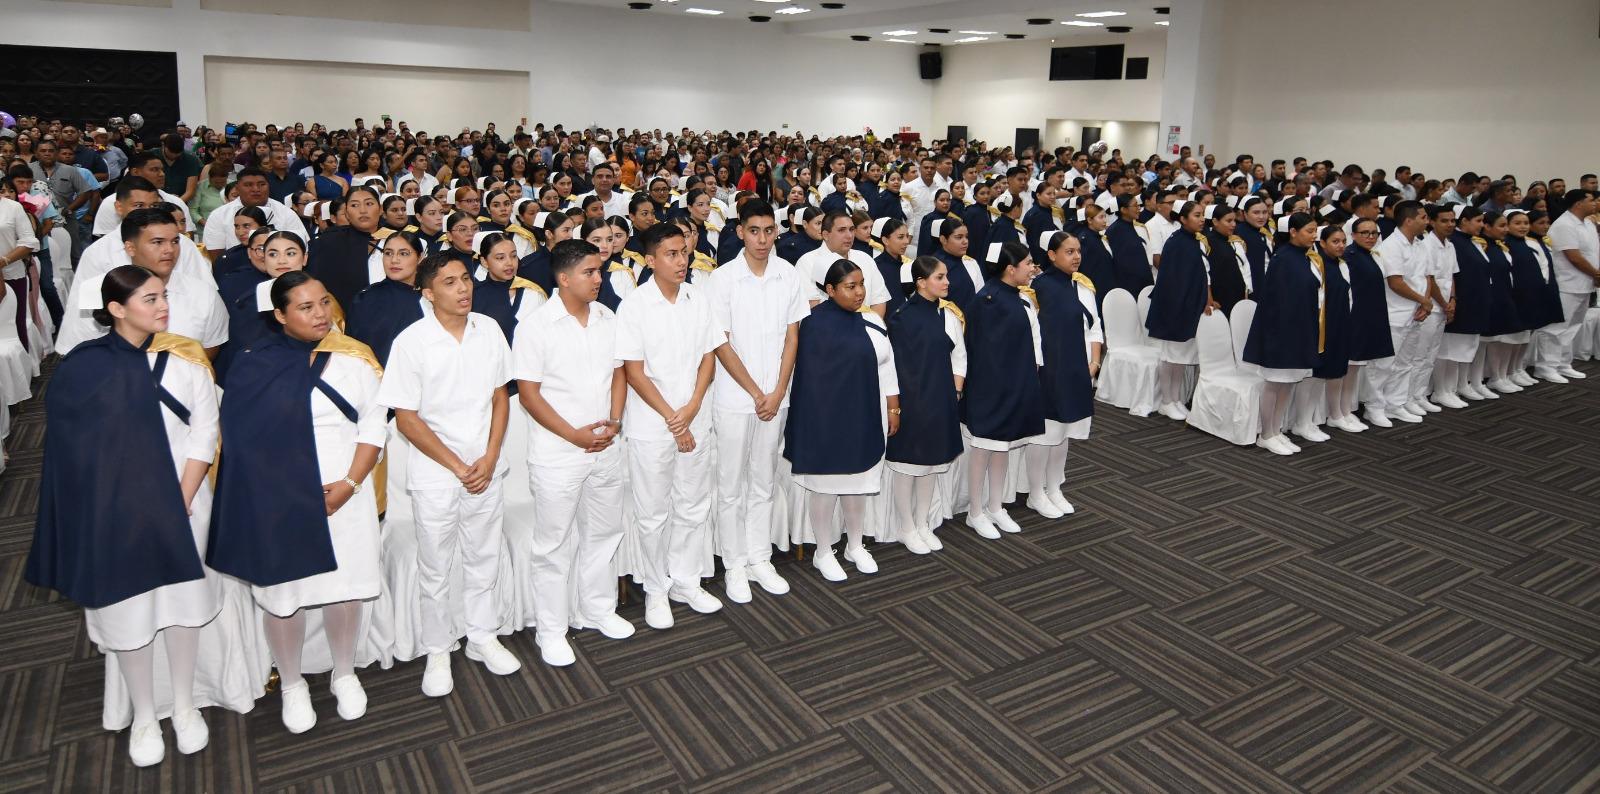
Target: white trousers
x: 747, y: 462
x: 1430, y: 336
x: 1553, y: 343
x: 1391, y: 377
x: 671, y: 505
x: 577, y: 528
x: 452, y: 523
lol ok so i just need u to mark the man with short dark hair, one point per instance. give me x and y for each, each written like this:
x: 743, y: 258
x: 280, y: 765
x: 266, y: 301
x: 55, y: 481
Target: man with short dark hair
x: 149, y: 166
x: 1575, y: 246
x: 183, y: 168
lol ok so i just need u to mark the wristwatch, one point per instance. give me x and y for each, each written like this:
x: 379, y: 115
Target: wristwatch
x: 355, y: 487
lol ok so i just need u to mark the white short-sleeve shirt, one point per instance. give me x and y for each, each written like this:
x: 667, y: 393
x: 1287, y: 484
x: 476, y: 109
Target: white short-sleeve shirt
x: 219, y: 224
x: 1410, y: 260
x: 815, y: 265
x: 1572, y: 233
x: 451, y: 386
x: 573, y: 365
x: 107, y: 220
x: 671, y: 338
x: 754, y: 313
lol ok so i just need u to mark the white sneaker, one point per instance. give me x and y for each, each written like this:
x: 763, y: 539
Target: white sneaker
x: 1403, y: 415
x: 1427, y: 405
x: 913, y: 541
x: 554, y: 650
x: 736, y: 584
x: 1353, y: 424
x: 768, y: 577
x: 1470, y: 392
x: 1377, y: 419
x: 1041, y: 504
x: 1504, y: 386
x: 1416, y: 408
x: 614, y: 626
x: 1549, y: 375
x: 861, y: 558
x: 1003, y: 521
x: 696, y: 597
x: 351, y: 697
x: 1572, y: 373
x: 931, y: 539
x: 657, y: 611
x: 1523, y: 379
x: 1488, y: 393
x: 1288, y: 442
x: 1311, y: 432
x: 191, y: 730
x: 1449, y: 400
x: 436, y: 680
x: 298, y: 715
x: 1277, y: 445
x: 1059, y: 499
x: 1173, y: 411
x: 981, y: 524
x: 145, y: 745
x: 494, y: 656
x: 829, y: 567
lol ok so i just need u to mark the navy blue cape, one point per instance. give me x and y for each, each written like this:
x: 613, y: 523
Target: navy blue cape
x: 1180, y: 294
x: 1063, y: 322
x: 1003, y: 399
x: 381, y: 312
x: 835, y: 424
x: 1369, y: 336
x: 930, y: 423
x: 1284, y: 333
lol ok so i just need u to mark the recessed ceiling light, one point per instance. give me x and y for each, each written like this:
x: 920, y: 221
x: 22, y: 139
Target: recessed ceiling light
x: 1098, y: 14
x: 1040, y: 21
x: 760, y: 18
x: 1163, y: 23
x: 978, y: 32
x: 640, y: 6
x: 1119, y: 29
x: 1015, y: 36
x: 970, y: 39
x: 793, y: 10
x: 832, y: 6
x: 710, y: 12
x: 899, y: 33
x: 1078, y: 23
x: 901, y: 41
x: 859, y: 37
x: 938, y: 30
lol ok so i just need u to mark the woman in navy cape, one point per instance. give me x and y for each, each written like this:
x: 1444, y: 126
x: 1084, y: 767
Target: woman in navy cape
x: 844, y: 405
x: 886, y: 204
x: 1227, y: 279
x: 930, y: 358
x: 237, y: 258
x: 1040, y: 219
x: 301, y: 433
x: 1182, y: 293
x: 1097, y: 252
x: 1369, y: 337
x: 978, y: 215
x: 1007, y: 228
x: 1072, y: 342
x: 340, y: 255
x: 1257, y: 233
x: 1287, y: 338
x: 893, y: 237
x: 1333, y: 367
x: 953, y: 247
x: 1003, y: 404
x: 1463, y: 333
x: 237, y: 288
x: 805, y: 224
x: 1533, y: 283
x: 941, y: 212
x: 389, y: 306
x: 1507, y: 331
x: 500, y: 293
x: 124, y: 506
x: 1129, y: 252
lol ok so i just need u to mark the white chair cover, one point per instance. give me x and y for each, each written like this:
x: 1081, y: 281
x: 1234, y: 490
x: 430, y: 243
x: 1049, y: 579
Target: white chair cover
x: 1586, y: 345
x: 1244, y: 313
x: 60, y: 268
x: 1128, y: 372
x: 17, y: 365
x: 1226, y: 401
x: 1144, y: 314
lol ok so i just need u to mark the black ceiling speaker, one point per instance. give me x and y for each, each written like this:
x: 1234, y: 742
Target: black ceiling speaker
x: 938, y: 30
x: 1040, y: 21
x: 1163, y: 9
x: 760, y: 18
x: 1119, y: 29
x: 932, y: 64
x: 860, y: 38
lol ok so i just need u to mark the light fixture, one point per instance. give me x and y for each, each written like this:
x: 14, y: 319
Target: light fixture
x: 1163, y: 23
x: 1039, y: 21
x: 938, y: 30
x: 1015, y: 36
x: 859, y: 37
x: 793, y: 10
x: 832, y: 6
x: 640, y: 6
x: 1078, y: 23
x: 760, y: 18
x: 710, y: 12
x: 978, y: 32
x: 899, y: 33
x: 1098, y: 14
x: 1119, y: 29
x: 970, y: 39
x: 901, y: 41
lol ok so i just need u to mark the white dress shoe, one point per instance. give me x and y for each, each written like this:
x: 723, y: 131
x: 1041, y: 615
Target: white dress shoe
x: 1503, y: 386
x: 1549, y: 375
x: 191, y: 731
x: 1449, y: 400
x: 554, y: 650
x: 861, y: 558
x: 1470, y: 392
x: 1488, y: 393
x: 1353, y: 424
x: 913, y: 540
x: 928, y: 537
x: 768, y: 577
x: 981, y: 524
x: 494, y: 656
x: 1416, y: 408
x: 1311, y: 432
x: 1572, y: 373
x: 696, y: 597
x: 614, y: 626
x: 1041, y: 504
x: 1403, y: 415
x: 1427, y: 405
x: 657, y: 611
x: 1284, y: 439
x: 145, y: 745
x: 1002, y: 520
x: 1338, y: 423
x: 1274, y: 445
x: 1523, y: 379
x: 736, y: 585
x: 826, y: 565
x: 436, y: 680
x: 1377, y: 419
x: 1059, y: 499
x: 351, y: 697
x: 298, y: 715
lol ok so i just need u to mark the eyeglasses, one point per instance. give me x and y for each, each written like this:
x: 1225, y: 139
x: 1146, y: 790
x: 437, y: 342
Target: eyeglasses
x: 1367, y: 234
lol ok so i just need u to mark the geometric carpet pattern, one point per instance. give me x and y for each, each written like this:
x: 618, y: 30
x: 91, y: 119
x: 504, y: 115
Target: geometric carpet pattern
x: 1406, y: 610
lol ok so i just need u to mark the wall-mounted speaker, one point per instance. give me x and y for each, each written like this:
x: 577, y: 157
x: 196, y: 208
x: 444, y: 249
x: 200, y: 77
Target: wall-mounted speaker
x: 932, y: 64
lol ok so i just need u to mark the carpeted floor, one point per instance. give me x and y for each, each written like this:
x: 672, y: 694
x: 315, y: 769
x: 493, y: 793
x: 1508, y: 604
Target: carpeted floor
x: 1412, y: 610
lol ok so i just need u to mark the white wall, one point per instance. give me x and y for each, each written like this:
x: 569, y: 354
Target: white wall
x: 1136, y: 139
x: 995, y: 88
x: 432, y: 99
x: 1441, y: 85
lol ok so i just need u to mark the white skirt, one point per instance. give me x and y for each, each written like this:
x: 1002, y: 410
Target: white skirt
x: 1284, y: 375
x: 1460, y: 348
x: 994, y: 445
x: 1055, y: 433
x: 1517, y: 338
x: 917, y: 470
x: 130, y: 624
x: 1185, y: 352
x: 865, y: 482
x: 354, y: 530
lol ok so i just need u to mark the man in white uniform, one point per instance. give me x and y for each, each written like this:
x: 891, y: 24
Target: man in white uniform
x: 446, y: 381
x: 919, y: 192
x: 1576, y: 251
x: 605, y: 179
x: 838, y: 234
x: 1406, y: 269
x: 758, y: 300
x: 570, y: 382
x: 151, y: 167
x: 1442, y: 269
x: 665, y: 337
x: 252, y: 192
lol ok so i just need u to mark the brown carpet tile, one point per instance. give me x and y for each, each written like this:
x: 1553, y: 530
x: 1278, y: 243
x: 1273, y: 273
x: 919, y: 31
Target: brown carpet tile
x: 1411, y: 610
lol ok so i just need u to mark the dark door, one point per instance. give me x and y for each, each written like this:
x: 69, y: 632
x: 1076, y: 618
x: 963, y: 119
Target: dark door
x: 1091, y: 136
x: 1027, y: 138
x: 954, y: 133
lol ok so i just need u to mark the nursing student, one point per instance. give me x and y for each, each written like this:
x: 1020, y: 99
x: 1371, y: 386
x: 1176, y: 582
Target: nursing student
x: 1369, y: 338
x: 758, y: 300
x: 570, y: 381
x: 846, y: 405
x: 838, y: 234
x: 387, y: 307
x: 1288, y: 336
x: 892, y: 238
x: 304, y: 536
x: 666, y: 335
x: 446, y: 382
x: 1182, y: 293
x: 134, y: 412
x: 1073, y: 342
x: 963, y: 273
x: 1407, y: 271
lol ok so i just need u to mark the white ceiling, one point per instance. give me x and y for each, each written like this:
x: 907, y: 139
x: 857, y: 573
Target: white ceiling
x: 992, y: 19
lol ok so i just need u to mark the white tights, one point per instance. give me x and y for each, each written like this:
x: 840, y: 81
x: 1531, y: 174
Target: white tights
x: 1169, y: 382
x: 1274, y: 402
x: 1352, y: 385
x: 287, y: 638
x: 1339, y: 393
x: 1047, y: 467
x: 138, y: 671
x: 986, y: 466
x: 913, y: 499
x: 854, y: 507
x: 1502, y: 357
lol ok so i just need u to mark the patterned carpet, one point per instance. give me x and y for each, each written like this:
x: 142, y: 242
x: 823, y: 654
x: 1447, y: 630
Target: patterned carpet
x: 1412, y: 610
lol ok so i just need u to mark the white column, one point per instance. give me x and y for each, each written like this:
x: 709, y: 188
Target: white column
x: 1189, y: 86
